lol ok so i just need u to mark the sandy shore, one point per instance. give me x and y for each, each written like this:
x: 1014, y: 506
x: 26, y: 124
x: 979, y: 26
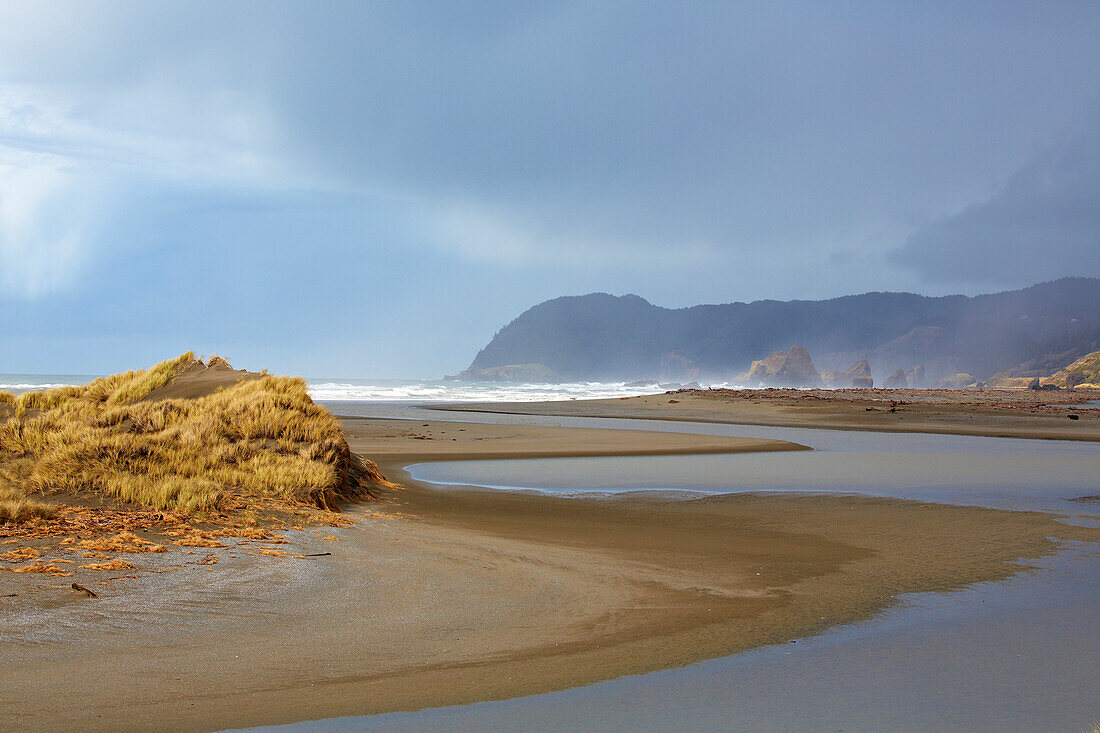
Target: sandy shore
x: 445, y: 597
x: 992, y: 413
x: 393, y: 444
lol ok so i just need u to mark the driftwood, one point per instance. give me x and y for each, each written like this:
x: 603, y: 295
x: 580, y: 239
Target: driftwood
x: 82, y: 589
x: 318, y: 554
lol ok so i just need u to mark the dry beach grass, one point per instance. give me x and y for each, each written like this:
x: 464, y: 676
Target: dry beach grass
x: 254, y: 437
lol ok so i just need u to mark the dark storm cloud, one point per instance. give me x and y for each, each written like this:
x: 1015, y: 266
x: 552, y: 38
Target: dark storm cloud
x: 431, y: 170
x: 747, y: 128
x: 1043, y: 224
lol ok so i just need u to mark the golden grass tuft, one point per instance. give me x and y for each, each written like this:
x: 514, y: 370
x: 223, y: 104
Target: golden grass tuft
x: 263, y: 439
x: 16, y: 507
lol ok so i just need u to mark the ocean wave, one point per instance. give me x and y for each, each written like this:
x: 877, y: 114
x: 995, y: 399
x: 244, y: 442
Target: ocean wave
x: 465, y: 392
x: 17, y: 387
x: 397, y: 391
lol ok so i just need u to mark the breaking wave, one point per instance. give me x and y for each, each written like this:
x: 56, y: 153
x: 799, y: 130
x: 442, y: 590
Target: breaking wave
x: 430, y: 391
x: 411, y: 391
x: 19, y: 383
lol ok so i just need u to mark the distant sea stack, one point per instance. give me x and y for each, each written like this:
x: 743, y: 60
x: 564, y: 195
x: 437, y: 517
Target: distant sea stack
x: 792, y: 368
x: 599, y: 337
x: 856, y: 376
x: 532, y: 373
x: 897, y: 380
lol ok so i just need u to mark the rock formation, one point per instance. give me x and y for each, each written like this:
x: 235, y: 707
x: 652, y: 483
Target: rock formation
x: 792, y: 368
x: 957, y: 381
x: 1085, y: 370
x: 897, y: 380
x: 858, y: 375
x: 537, y: 373
x: 677, y: 368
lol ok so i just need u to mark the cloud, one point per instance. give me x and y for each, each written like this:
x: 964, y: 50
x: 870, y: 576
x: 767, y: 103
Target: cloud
x: 500, y: 236
x: 617, y: 127
x: 1043, y: 223
x: 70, y: 159
x: 779, y: 131
x: 45, y: 212
x: 469, y: 159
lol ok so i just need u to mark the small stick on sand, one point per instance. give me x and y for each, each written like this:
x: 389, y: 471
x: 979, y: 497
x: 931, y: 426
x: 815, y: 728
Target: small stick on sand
x: 91, y: 593
x: 318, y: 554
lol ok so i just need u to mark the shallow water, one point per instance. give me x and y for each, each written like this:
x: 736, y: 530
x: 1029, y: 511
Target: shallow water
x: 1011, y: 656
x: 1022, y: 654
x: 993, y: 472
x: 1002, y: 473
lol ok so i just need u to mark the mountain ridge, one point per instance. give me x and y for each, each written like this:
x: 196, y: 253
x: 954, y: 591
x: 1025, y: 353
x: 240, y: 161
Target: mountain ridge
x: 605, y: 337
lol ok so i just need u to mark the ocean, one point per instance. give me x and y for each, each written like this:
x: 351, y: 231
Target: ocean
x: 400, y: 390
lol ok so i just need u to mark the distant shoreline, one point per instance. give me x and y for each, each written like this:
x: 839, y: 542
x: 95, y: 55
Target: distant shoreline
x: 988, y: 413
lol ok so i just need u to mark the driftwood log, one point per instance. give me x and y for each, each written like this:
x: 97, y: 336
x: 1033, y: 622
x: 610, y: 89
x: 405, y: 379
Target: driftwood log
x: 82, y: 589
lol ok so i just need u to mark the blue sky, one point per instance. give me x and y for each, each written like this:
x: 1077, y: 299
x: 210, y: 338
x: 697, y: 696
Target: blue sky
x: 373, y: 189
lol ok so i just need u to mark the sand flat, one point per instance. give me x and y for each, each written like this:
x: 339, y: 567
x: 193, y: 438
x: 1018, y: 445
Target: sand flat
x: 990, y: 413
x: 445, y: 597
x: 402, y: 442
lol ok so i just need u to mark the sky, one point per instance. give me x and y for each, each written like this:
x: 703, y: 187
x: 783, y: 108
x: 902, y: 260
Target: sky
x: 374, y: 189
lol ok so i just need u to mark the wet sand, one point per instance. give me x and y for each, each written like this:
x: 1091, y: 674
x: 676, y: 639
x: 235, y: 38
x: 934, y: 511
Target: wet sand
x: 1015, y: 655
x: 398, y: 443
x: 445, y: 597
x: 1061, y: 415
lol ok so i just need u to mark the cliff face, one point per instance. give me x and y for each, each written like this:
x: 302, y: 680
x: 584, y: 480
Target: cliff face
x: 603, y: 337
x: 1085, y: 370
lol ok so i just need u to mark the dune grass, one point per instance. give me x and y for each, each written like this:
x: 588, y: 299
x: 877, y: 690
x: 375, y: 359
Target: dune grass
x: 258, y: 439
x: 15, y: 507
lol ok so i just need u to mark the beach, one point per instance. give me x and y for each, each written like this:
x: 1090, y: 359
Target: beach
x: 530, y: 367
x: 439, y: 597
x: 1053, y: 415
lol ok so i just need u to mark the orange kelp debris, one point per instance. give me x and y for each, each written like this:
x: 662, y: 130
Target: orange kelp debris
x: 39, y: 567
x: 199, y: 539
x: 113, y: 565
x: 23, y: 553
x: 122, y: 542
